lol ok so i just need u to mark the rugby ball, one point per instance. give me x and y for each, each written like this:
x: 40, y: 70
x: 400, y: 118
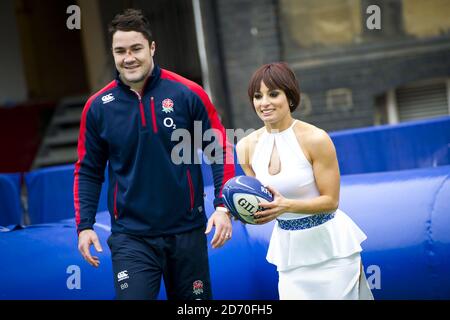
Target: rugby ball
x: 242, y: 196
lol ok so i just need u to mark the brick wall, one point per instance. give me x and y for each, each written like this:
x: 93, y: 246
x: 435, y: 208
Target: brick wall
x: 249, y: 35
x: 250, y: 38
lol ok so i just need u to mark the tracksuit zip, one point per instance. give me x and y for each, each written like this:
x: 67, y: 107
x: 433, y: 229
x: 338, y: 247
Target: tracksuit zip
x: 152, y: 105
x: 116, y: 214
x: 142, y: 112
x: 141, y: 109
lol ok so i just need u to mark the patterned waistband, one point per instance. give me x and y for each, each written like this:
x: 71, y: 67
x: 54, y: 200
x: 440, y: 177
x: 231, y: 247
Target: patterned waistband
x: 305, y: 223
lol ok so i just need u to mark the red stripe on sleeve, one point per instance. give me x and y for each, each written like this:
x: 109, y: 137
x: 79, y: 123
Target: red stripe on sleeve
x: 82, y: 147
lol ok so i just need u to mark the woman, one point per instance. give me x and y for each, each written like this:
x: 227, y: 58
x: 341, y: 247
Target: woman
x: 315, y: 246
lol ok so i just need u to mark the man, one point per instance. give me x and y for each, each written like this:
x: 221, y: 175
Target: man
x: 156, y: 205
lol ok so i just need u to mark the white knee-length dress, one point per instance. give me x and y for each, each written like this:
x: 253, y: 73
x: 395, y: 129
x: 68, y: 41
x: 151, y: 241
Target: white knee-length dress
x: 321, y: 261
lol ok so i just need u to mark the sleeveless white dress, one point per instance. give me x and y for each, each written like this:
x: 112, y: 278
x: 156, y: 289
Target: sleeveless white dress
x: 320, y: 262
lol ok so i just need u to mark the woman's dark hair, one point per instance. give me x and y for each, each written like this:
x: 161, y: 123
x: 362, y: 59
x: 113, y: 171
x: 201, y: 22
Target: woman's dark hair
x: 276, y: 75
x: 131, y: 20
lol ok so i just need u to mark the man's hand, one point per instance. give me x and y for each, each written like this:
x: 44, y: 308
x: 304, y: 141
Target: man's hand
x: 85, y: 239
x: 223, y: 232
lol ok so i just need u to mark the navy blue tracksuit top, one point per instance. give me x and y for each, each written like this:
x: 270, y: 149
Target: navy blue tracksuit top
x: 148, y: 194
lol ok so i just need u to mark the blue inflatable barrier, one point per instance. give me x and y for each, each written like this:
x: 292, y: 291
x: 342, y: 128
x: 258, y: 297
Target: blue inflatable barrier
x: 405, y: 146
x: 10, y: 207
x: 42, y: 262
x: 405, y: 214
x: 50, y: 194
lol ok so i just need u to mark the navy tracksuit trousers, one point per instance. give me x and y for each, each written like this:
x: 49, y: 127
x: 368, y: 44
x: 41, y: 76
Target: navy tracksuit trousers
x: 140, y: 262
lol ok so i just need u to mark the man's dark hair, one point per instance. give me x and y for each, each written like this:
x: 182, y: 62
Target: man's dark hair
x: 131, y: 20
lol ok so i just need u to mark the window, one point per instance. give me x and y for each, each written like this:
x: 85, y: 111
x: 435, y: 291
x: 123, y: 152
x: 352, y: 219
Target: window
x: 426, y: 99
x: 319, y: 23
x: 418, y: 100
x: 426, y: 18
x: 339, y: 99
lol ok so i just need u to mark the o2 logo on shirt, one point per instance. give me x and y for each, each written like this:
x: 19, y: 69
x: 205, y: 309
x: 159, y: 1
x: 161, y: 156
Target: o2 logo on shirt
x: 169, y: 123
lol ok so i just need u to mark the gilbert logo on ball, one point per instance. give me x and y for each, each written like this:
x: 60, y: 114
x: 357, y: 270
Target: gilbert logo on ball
x: 242, y: 196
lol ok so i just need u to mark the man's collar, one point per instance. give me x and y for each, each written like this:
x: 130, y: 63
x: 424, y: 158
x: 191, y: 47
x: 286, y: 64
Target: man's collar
x: 149, y: 82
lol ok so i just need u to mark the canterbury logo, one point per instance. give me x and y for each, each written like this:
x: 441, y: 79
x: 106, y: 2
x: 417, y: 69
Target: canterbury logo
x: 108, y: 98
x: 122, y: 275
